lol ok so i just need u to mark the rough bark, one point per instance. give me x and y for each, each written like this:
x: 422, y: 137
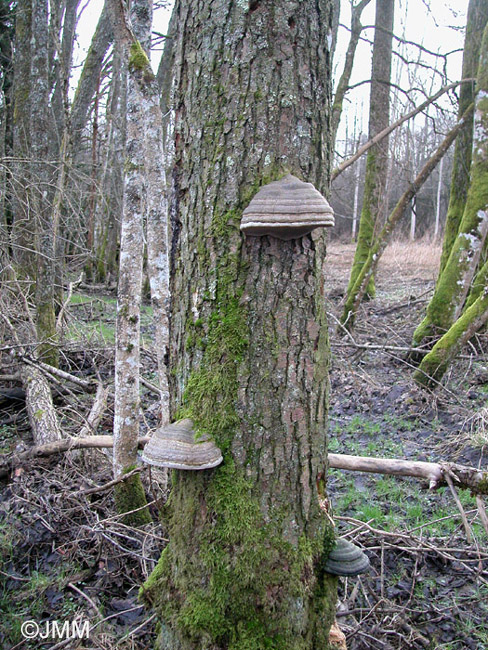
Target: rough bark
x: 476, y: 22
x: 22, y: 237
x: 454, y: 283
x: 248, y: 349
x: 40, y: 409
x: 356, y: 295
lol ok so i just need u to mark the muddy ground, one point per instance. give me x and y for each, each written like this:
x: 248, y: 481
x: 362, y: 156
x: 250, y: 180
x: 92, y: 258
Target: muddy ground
x: 66, y: 556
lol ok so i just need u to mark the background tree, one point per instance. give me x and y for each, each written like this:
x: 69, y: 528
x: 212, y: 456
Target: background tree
x: 249, y: 349
x: 446, y: 313
x: 374, y: 208
x: 476, y: 21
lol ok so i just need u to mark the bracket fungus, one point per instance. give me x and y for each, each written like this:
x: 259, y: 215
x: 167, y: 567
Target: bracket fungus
x: 175, y: 446
x: 287, y: 209
x: 346, y: 559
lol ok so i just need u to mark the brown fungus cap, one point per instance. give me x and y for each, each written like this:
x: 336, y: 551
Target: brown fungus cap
x: 346, y: 559
x: 287, y: 209
x: 175, y: 446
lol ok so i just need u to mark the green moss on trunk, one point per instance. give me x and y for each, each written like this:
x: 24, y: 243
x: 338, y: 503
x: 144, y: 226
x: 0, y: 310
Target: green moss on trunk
x: 129, y: 495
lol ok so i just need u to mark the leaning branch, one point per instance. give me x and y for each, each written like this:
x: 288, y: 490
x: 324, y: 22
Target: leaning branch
x: 464, y: 477
x: 382, y: 134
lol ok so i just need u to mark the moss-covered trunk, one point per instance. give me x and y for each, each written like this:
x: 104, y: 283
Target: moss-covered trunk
x: 454, y: 283
x: 437, y: 361
x: 375, y: 208
x: 249, y: 349
x: 476, y: 21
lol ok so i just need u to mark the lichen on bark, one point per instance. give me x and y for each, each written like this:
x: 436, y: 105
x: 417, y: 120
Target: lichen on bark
x: 248, y: 350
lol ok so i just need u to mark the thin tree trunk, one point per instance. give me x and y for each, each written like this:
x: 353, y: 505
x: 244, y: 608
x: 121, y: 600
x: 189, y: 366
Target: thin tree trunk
x: 343, y: 84
x: 476, y: 22
x: 374, y: 209
x: 248, y: 349
x: 358, y: 291
x: 129, y: 495
x: 90, y: 75
x: 438, y: 201
x: 42, y: 180
x: 23, y: 228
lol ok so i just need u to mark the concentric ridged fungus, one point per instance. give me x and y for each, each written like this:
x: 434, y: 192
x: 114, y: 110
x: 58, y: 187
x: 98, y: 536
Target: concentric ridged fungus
x: 346, y: 559
x: 175, y: 446
x: 287, y: 209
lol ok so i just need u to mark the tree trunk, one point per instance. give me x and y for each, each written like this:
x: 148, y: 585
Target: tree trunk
x: 343, y: 84
x: 22, y: 240
x: 435, y: 364
x: 356, y: 295
x: 129, y: 495
x: 476, y: 21
x: 90, y: 75
x: 249, y: 349
x: 375, y: 206
x: 42, y: 178
x: 109, y: 203
x: 454, y: 283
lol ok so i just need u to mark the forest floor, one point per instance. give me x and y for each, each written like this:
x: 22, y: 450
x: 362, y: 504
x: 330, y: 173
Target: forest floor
x: 65, y: 555
x: 428, y: 586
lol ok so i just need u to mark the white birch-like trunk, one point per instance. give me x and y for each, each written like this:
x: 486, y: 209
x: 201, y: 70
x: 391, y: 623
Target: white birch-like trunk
x: 127, y: 345
x: 156, y: 207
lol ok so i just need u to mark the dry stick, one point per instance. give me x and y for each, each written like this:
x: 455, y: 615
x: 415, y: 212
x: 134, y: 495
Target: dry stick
x: 96, y: 412
x: 88, y: 386
x: 382, y: 134
x: 482, y: 512
x: 71, y: 287
x: 107, y: 486
x: 459, y: 505
x: 86, y: 597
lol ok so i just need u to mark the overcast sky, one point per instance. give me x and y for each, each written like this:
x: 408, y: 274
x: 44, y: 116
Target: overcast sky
x: 436, y: 24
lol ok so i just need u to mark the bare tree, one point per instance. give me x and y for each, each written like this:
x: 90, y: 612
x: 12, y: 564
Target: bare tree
x: 374, y: 207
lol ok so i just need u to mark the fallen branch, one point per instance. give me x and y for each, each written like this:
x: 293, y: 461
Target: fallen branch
x: 470, y: 478
x: 87, y: 385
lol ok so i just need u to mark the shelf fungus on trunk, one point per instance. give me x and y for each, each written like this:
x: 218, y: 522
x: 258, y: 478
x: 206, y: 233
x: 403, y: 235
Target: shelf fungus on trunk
x: 346, y: 559
x: 175, y: 446
x: 287, y: 209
